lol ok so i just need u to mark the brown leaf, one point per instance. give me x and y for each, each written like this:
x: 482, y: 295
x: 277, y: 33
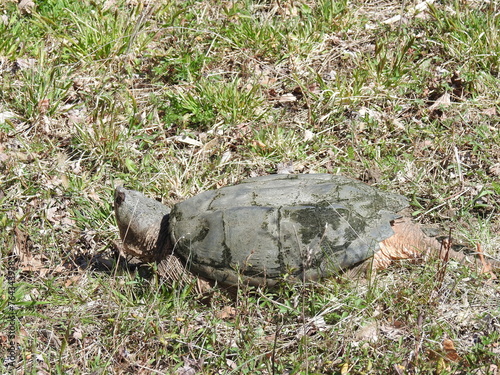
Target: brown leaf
x: 77, y: 334
x: 72, y: 280
x: 43, y: 106
x: 492, y: 111
x: 26, y: 6
x: 227, y: 312
x: 486, y: 266
x: 286, y: 98
x: 493, y: 370
x: 285, y: 167
x: 444, y: 100
x: 21, y: 240
x: 186, y: 370
x: 495, y: 169
x: 21, y: 247
x: 259, y: 144
x: 24, y: 64
x: 51, y: 214
x: 451, y: 353
x: 187, y: 140
x: 368, y: 333
x: 29, y: 262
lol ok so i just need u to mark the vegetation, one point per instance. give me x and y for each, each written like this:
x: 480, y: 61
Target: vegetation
x: 175, y: 97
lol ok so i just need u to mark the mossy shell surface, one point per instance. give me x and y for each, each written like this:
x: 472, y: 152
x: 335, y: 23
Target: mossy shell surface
x: 304, y: 226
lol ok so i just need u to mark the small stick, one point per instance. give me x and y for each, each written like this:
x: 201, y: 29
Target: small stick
x: 459, y: 164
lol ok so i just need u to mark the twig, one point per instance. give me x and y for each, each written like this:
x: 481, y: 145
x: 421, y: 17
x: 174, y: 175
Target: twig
x: 273, y: 354
x: 459, y: 164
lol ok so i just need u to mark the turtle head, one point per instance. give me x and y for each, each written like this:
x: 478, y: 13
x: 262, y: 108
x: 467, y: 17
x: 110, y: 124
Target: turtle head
x: 143, y: 224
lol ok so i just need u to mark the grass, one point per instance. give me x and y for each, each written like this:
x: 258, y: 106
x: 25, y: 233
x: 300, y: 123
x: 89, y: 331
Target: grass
x: 97, y: 93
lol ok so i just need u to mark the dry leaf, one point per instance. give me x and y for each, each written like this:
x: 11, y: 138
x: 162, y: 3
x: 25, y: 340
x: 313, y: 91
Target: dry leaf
x: 259, y: 144
x: 23, y: 64
x: 228, y: 312
x: 231, y: 364
x: 72, y: 280
x: 369, y: 113
x: 493, y: 370
x: 286, y: 98
x: 226, y: 156
x: 492, y: 111
x: 51, y: 215
x: 311, y: 326
x: 285, y: 168
x: 191, y: 366
x: 77, y: 334
x: 123, y: 354
x: 29, y: 262
x: 368, y: 333
x: 43, y: 106
x: 210, y: 145
x: 267, y: 81
x: 487, y: 268
x: 26, y: 6
x: 308, y: 135
x: 6, y: 116
x: 187, y: 140
x: 495, y: 169
x: 393, y: 332
x: 21, y: 245
x: 413, y: 11
x: 444, y: 100
x: 94, y: 196
x: 3, y: 157
x: 451, y: 353
x: 186, y: 370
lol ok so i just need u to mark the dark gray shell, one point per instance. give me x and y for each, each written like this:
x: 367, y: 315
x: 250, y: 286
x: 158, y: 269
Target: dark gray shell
x: 306, y: 226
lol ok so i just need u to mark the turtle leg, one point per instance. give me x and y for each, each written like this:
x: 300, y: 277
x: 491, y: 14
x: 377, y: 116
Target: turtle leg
x: 172, y: 270
x: 408, y: 242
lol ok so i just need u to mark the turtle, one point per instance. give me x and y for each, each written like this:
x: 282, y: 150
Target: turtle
x: 300, y: 227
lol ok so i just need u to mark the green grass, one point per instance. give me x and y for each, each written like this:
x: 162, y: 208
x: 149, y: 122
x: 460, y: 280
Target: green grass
x: 95, y: 94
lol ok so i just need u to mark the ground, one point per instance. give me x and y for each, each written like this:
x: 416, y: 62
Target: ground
x: 175, y: 97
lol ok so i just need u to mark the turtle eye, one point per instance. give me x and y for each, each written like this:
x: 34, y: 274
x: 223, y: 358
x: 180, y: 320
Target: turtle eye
x: 119, y: 198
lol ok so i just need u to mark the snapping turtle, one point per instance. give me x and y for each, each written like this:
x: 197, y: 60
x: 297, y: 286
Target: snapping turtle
x: 305, y: 226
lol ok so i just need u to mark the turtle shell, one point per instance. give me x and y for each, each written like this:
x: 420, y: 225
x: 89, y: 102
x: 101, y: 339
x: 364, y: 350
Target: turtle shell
x: 304, y: 226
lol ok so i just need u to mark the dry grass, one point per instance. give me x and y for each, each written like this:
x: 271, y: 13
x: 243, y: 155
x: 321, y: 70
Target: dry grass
x: 176, y: 97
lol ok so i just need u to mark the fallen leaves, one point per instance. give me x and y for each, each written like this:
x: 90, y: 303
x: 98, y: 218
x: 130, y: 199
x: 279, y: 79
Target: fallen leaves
x: 29, y: 262
x: 57, y: 214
